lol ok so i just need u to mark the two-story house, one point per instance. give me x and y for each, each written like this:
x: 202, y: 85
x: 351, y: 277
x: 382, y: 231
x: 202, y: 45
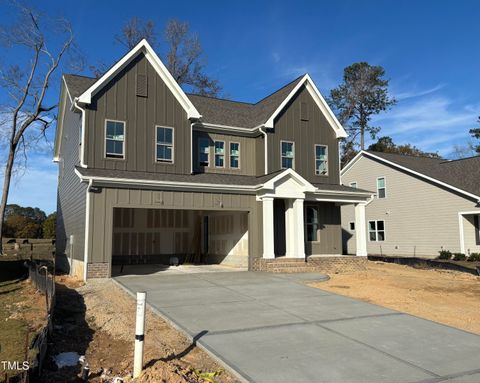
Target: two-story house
x: 148, y: 172
x: 422, y: 205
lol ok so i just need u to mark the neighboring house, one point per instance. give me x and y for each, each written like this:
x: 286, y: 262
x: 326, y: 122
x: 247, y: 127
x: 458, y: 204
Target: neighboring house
x: 422, y: 205
x: 148, y: 172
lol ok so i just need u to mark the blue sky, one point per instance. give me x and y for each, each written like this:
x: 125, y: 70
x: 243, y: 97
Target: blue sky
x: 429, y: 49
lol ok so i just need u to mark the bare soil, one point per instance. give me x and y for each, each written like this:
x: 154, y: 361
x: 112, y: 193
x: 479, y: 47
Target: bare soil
x: 22, y: 314
x: 443, y: 296
x: 98, y: 320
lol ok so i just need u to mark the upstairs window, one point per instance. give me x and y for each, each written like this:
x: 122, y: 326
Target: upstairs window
x: 114, y: 139
x: 287, y: 154
x: 376, y: 231
x: 164, y: 144
x: 234, y: 155
x: 311, y: 224
x: 381, y: 188
x: 321, y: 160
x: 219, y: 154
x: 203, y: 151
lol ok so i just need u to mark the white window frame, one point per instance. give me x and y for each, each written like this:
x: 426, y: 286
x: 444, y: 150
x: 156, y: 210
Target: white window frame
x: 353, y: 183
x: 293, y: 150
x: 350, y: 226
x: 113, y: 157
x: 230, y: 154
x: 315, y: 159
x: 160, y: 161
x: 200, y: 139
x: 384, y: 187
x: 215, y: 154
x: 376, y: 230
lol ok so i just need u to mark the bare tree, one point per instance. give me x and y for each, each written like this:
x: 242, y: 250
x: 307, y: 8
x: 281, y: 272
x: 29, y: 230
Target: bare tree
x: 25, y: 116
x: 184, y: 58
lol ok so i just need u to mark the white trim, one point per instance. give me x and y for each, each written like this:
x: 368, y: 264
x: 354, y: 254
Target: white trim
x: 58, y: 133
x: 384, y: 186
x: 223, y: 128
x: 163, y: 162
x: 83, y: 128
x: 434, y: 180
x: 215, y: 155
x: 461, y: 227
x: 87, y: 230
x: 143, y: 47
x: 307, y: 186
x: 265, y: 149
x: 319, y: 100
x: 281, y: 157
x: 230, y: 155
x: 315, y: 159
x: 124, y: 152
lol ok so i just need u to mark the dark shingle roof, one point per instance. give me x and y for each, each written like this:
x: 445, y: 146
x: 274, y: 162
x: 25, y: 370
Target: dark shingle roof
x: 462, y: 174
x: 214, y: 110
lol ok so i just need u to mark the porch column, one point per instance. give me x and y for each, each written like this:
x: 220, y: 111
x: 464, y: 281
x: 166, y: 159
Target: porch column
x: 360, y: 229
x: 299, y: 232
x: 268, y: 227
x: 290, y: 232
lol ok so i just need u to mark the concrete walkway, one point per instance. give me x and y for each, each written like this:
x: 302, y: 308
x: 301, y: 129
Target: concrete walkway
x: 273, y: 328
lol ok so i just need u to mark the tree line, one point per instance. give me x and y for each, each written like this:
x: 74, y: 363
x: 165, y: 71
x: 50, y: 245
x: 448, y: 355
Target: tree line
x: 28, y: 222
x: 27, y: 78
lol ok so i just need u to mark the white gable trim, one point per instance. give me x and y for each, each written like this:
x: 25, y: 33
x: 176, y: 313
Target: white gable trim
x: 154, y: 60
x: 319, y: 100
x: 395, y: 165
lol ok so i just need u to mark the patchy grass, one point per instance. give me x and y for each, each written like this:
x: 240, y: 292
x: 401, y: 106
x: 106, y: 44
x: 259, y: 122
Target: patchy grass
x: 22, y: 315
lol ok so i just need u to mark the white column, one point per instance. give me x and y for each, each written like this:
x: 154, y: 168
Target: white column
x: 361, y: 229
x: 290, y: 231
x: 299, y: 228
x: 268, y: 227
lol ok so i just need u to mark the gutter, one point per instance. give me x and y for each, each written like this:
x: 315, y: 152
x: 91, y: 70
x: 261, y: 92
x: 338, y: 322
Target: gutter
x: 87, y: 230
x: 82, y: 155
x: 260, y: 128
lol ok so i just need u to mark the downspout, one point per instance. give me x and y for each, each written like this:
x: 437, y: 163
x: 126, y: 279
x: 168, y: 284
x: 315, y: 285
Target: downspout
x: 87, y: 230
x: 82, y: 154
x: 266, y: 148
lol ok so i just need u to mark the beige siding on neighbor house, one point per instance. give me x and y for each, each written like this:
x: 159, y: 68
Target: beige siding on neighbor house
x: 420, y: 218
x: 102, y: 204
x: 70, y: 194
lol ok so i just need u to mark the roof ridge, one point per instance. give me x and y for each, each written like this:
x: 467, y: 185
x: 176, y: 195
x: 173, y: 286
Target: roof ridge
x: 408, y: 155
x: 219, y: 98
x: 461, y: 159
x: 79, y: 75
x: 278, y: 90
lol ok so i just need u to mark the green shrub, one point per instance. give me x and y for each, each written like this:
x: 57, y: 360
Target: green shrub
x: 459, y: 257
x: 474, y: 257
x: 444, y: 254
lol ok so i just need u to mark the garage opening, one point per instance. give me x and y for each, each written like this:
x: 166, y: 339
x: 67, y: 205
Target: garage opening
x: 167, y: 236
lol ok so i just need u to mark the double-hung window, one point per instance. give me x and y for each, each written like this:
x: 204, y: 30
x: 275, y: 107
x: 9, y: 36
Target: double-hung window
x: 219, y: 154
x: 287, y: 155
x: 114, y: 139
x: 376, y: 231
x: 311, y: 223
x: 234, y: 155
x: 381, y: 187
x: 321, y: 160
x: 203, y: 151
x: 164, y: 144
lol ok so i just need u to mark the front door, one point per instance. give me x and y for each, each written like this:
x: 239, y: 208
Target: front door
x: 279, y: 227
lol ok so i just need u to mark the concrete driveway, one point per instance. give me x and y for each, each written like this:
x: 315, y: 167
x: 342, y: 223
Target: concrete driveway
x: 273, y: 328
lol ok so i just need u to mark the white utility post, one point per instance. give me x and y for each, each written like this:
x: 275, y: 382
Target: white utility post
x: 139, y: 334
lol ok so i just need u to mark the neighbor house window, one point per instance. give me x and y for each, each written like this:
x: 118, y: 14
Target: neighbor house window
x: 164, y: 144
x: 351, y: 226
x: 114, y: 139
x: 381, y: 188
x: 353, y: 185
x: 311, y: 224
x: 287, y: 154
x: 219, y: 154
x: 203, y: 151
x: 234, y: 155
x: 376, y: 231
x: 321, y: 160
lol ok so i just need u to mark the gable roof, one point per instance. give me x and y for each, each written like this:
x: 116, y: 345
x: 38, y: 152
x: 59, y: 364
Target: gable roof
x: 145, y: 48
x: 462, y: 176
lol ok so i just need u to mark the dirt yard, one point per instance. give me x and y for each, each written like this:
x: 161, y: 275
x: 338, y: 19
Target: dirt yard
x: 448, y: 297
x: 97, y: 320
x: 22, y: 314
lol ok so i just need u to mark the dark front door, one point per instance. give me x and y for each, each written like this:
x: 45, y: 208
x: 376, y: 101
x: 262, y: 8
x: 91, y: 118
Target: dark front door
x: 279, y: 227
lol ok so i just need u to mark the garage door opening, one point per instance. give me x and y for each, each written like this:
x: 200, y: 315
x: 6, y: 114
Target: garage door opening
x: 164, y: 237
